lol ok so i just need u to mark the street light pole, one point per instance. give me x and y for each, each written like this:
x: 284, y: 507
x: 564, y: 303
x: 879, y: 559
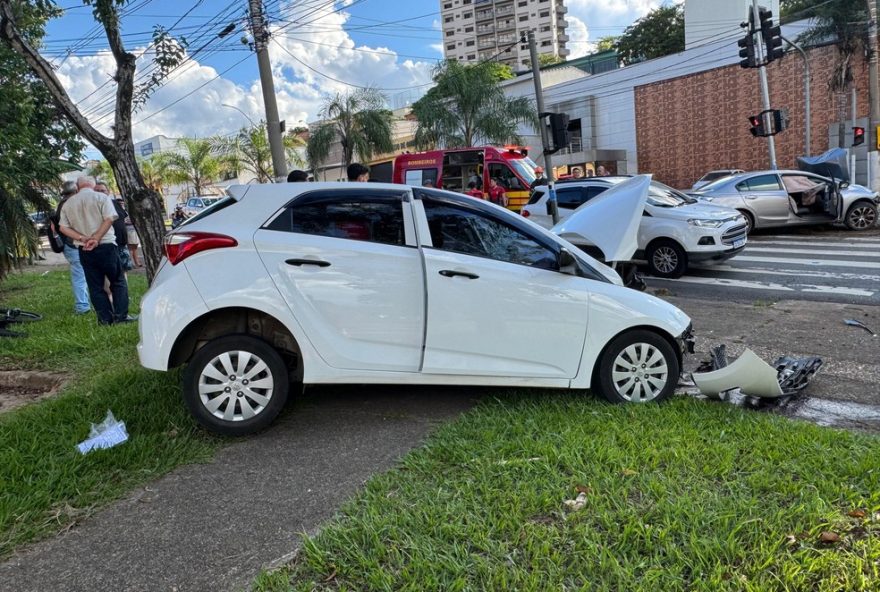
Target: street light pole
x: 273, y: 121
x: 240, y: 111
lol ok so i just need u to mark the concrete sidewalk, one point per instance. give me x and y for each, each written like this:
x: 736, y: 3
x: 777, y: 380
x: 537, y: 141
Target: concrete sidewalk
x: 214, y: 526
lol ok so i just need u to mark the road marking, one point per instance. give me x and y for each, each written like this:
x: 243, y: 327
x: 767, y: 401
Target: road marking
x: 805, y: 273
x: 728, y: 283
x: 811, y: 262
x: 754, y: 249
x: 841, y: 244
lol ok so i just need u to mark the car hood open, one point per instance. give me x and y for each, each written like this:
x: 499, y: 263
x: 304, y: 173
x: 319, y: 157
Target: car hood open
x: 610, y: 221
x: 703, y: 210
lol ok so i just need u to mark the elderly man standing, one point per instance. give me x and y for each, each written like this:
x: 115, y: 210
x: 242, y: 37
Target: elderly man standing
x: 87, y: 218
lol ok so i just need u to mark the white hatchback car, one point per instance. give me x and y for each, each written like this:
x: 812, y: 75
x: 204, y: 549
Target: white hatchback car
x: 315, y: 283
x: 675, y: 230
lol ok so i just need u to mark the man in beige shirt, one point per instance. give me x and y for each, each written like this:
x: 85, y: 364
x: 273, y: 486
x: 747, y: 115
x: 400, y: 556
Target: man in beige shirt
x: 87, y: 218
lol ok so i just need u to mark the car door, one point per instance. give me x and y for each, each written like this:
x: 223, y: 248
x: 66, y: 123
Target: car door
x: 346, y: 263
x: 497, y: 306
x: 766, y: 198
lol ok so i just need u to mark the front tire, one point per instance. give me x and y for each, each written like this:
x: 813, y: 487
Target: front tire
x: 862, y: 215
x: 235, y: 385
x: 750, y: 221
x: 666, y: 259
x: 638, y: 367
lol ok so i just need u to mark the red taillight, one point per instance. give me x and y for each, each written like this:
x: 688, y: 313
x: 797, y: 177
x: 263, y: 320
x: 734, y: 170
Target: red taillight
x: 180, y: 245
x: 525, y: 213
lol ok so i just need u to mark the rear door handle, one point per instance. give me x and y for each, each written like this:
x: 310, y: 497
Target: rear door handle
x: 452, y: 273
x: 301, y: 262
x: 752, y: 196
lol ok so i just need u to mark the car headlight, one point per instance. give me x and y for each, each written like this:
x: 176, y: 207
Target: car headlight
x: 703, y: 223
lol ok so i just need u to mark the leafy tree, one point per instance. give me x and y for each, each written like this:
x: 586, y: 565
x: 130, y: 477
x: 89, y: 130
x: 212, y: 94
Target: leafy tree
x: 249, y: 150
x: 144, y: 204
x: 658, y: 33
x: 360, y: 123
x: 607, y: 42
x: 467, y: 107
x: 36, y: 143
x: 196, y: 163
x: 104, y: 172
x: 846, y: 23
x: 155, y: 172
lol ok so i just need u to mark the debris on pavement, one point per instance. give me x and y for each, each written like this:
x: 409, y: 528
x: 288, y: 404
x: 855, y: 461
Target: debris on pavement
x: 106, y: 434
x: 794, y: 374
x: 855, y: 323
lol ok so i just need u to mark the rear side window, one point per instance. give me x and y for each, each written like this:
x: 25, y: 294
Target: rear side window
x: 760, y: 183
x: 377, y: 219
x: 570, y: 197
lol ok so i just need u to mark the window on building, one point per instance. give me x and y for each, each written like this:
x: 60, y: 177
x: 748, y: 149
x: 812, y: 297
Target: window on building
x: 448, y: 19
x: 469, y: 43
x: 467, y: 15
x: 450, y: 46
x: 447, y: 5
x: 544, y: 13
x: 523, y: 3
x: 468, y: 29
x: 472, y: 57
x: 523, y: 18
x: 545, y: 28
x: 546, y: 43
x: 450, y: 33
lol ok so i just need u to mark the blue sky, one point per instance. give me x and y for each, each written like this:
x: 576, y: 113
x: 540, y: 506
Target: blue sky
x: 319, y: 47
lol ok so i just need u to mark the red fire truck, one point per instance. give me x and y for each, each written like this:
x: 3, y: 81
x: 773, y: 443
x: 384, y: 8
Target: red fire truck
x: 453, y: 169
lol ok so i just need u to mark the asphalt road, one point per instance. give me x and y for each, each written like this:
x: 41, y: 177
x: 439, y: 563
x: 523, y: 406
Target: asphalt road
x: 819, y: 264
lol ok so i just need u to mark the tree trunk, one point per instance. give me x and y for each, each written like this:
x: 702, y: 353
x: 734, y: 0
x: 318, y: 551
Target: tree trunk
x: 144, y: 207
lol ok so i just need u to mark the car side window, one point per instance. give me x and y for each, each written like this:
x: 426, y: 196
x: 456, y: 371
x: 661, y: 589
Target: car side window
x: 570, y: 197
x: 760, y: 183
x: 593, y: 191
x: 373, y: 218
x: 193, y: 202
x: 463, y: 230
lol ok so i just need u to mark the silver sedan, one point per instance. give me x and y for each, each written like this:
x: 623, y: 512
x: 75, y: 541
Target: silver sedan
x: 779, y: 198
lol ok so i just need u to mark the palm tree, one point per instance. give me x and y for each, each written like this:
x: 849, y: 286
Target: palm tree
x: 249, y: 150
x: 360, y: 123
x: 846, y: 23
x: 467, y: 107
x: 102, y: 172
x: 197, y: 163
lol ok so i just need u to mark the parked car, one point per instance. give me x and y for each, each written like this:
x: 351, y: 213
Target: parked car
x: 714, y: 175
x: 196, y: 204
x: 771, y: 199
x: 675, y: 230
x: 40, y: 221
x: 391, y: 284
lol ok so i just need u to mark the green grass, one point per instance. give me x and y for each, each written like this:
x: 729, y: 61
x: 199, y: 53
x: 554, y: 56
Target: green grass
x: 45, y: 484
x: 689, y: 495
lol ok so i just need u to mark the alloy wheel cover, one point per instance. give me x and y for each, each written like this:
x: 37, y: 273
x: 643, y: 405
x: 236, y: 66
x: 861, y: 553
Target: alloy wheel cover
x: 639, y: 372
x: 236, y: 386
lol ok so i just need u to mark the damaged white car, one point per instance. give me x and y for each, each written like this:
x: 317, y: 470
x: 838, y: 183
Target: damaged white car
x: 319, y: 283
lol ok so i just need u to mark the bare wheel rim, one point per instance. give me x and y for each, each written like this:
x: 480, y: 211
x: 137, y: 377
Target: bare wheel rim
x: 640, y: 373
x: 236, y: 386
x: 665, y: 259
x: 862, y: 217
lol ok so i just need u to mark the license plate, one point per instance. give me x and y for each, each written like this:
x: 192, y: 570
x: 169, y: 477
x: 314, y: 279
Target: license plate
x: 738, y: 243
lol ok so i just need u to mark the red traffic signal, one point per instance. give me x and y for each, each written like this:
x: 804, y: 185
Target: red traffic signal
x: 858, y: 136
x: 757, y: 123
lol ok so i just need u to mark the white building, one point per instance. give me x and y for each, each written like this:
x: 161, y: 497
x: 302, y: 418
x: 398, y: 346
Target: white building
x: 477, y: 30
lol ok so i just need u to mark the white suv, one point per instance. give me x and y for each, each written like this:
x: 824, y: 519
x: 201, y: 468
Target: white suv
x: 376, y: 283
x: 675, y: 229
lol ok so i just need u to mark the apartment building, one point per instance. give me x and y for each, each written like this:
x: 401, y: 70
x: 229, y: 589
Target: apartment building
x: 477, y: 30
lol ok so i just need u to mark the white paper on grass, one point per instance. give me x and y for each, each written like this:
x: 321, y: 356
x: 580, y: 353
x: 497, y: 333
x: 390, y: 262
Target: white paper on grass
x: 106, y: 434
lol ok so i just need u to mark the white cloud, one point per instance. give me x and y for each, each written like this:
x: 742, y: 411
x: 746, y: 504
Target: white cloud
x: 579, y: 38
x: 323, y: 45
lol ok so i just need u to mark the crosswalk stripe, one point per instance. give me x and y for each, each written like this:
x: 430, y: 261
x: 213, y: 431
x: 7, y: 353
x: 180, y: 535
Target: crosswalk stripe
x: 815, y: 239
x: 810, y: 262
x: 756, y: 249
x: 840, y: 244
x: 803, y: 273
x: 753, y: 285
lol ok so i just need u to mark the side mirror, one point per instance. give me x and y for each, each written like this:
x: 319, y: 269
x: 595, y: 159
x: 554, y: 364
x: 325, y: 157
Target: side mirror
x: 566, y: 262
x: 843, y: 185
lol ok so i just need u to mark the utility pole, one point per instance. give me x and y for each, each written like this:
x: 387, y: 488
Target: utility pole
x: 552, y: 208
x: 765, y: 90
x: 852, y: 151
x: 806, y: 94
x: 273, y: 121
x: 873, y: 94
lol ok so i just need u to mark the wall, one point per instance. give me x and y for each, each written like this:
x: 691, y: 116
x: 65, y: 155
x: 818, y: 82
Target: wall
x: 692, y: 124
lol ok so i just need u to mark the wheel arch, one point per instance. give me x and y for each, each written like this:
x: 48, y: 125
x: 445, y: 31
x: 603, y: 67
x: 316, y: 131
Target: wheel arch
x: 659, y: 331
x: 236, y: 320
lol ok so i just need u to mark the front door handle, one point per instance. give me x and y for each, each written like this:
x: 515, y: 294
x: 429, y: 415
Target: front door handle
x: 752, y: 196
x: 301, y: 262
x: 453, y: 273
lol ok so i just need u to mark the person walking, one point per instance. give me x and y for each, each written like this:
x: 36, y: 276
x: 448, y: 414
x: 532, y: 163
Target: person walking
x: 87, y: 218
x: 358, y: 172
x: 496, y: 193
x: 77, y: 276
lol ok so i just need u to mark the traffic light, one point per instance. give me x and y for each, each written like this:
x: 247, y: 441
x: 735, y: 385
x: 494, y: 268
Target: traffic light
x: 747, y: 51
x: 780, y: 120
x: 858, y: 136
x: 771, y: 34
x: 757, y: 123
x: 559, y: 131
